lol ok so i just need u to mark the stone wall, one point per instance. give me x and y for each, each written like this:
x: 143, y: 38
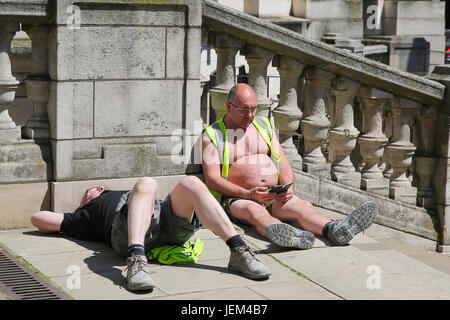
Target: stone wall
x: 417, y: 19
x: 120, y: 90
x: 123, y: 98
x: 331, y: 16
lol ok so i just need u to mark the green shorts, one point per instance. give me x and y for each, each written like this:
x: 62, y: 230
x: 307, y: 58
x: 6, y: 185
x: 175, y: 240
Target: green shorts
x: 166, y: 228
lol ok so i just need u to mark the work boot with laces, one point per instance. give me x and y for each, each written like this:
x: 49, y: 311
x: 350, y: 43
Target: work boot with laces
x: 342, y: 231
x: 138, y: 275
x: 243, y: 260
x: 285, y: 235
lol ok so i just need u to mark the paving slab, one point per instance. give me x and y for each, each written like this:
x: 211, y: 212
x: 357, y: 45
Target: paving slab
x: 239, y: 293
x: 298, y: 289
x: 382, y: 263
x: 392, y: 287
x: 212, y: 275
x: 87, y: 261
x: 29, y: 241
x: 102, y: 286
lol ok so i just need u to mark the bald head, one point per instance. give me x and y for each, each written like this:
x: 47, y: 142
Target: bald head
x: 241, y: 92
x: 245, y: 102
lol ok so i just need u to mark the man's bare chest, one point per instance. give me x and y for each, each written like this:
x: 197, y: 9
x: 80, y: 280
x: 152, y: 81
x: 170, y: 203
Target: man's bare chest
x: 249, y: 142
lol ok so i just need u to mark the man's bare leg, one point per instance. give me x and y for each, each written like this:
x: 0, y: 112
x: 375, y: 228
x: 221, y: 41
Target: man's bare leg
x: 254, y: 214
x: 302, y: 212
x: 190, y: 195
x: 140, y: 210
x: 270, y: 226
x: 339, y: 232
x: 47, y: 221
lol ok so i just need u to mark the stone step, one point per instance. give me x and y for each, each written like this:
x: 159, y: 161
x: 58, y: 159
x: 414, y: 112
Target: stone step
x: 20, y: 152
x: 23, y: 171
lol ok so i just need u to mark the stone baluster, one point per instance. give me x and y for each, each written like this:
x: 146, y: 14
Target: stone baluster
x: 37, y: 83
x: 258, y: 60
x: 287, y: 114
x: 425, y: 159
x: 388, y: 131
x: 344, y: 134
x: 226, y: 47
x: 373, y: 141
x: 401, y: 150
x: 9, y: 132
x: 315, y: 123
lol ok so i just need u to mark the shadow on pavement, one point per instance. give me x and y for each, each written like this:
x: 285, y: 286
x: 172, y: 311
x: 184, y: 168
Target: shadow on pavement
x: 108, y: 264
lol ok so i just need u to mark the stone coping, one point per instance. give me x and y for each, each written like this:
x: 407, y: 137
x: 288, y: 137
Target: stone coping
x: 23, y: 10
x: 343, y: 198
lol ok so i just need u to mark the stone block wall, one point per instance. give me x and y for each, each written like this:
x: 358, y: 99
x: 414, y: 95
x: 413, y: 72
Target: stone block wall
x: 331, y: 16
x: 123, y: 98
x: 416, y: 19
x: 123, y: 80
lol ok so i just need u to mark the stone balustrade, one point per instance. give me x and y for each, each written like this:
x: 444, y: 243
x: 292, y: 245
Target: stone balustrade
x: 8, y: 84
x: 329, y: 115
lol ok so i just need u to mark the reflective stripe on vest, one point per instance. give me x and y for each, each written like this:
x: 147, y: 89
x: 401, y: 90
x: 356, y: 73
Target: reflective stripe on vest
x: 219, y: 126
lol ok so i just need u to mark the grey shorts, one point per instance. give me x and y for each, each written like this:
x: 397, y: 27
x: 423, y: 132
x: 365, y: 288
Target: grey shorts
x: 166, y: 228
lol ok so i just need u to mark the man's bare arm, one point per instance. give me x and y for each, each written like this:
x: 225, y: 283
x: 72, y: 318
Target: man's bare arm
x: 286, y: 172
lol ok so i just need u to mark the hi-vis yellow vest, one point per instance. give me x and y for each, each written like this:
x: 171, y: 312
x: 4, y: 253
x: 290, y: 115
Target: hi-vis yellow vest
x: 218, y: 135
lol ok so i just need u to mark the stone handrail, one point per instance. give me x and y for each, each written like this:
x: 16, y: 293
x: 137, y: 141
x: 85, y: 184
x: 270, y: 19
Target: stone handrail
x: 291, y: 44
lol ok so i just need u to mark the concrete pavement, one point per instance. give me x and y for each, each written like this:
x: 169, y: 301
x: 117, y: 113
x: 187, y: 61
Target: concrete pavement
x: 382, y: 263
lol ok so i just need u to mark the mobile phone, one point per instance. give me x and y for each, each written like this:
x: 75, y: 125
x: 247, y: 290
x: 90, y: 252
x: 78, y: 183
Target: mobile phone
x: 280, y: 188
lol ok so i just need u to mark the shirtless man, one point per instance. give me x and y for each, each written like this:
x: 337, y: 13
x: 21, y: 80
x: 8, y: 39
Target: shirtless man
x: 242, y: 158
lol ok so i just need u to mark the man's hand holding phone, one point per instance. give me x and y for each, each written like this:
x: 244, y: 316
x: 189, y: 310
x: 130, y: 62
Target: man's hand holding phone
x: 278, y: 189
x: 284, y: 192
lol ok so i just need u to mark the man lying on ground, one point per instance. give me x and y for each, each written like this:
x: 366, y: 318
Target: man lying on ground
x: 134, y: 222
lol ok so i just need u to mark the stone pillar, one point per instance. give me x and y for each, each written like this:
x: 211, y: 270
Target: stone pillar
x: 258, y: 60
x: 425, y: 159
x: 373, y: 141
x: 226, y: 47
x: 288, y: 114
x: 344, y: 134
x: 9, y: 132
x: 401, y: 150
x: 37, y: 83
x: 315, y: 123
x: 441, y: 181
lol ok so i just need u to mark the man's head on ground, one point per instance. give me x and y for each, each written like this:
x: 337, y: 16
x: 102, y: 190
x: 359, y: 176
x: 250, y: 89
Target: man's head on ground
x: 241, y: 106
x: 92, y: 193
